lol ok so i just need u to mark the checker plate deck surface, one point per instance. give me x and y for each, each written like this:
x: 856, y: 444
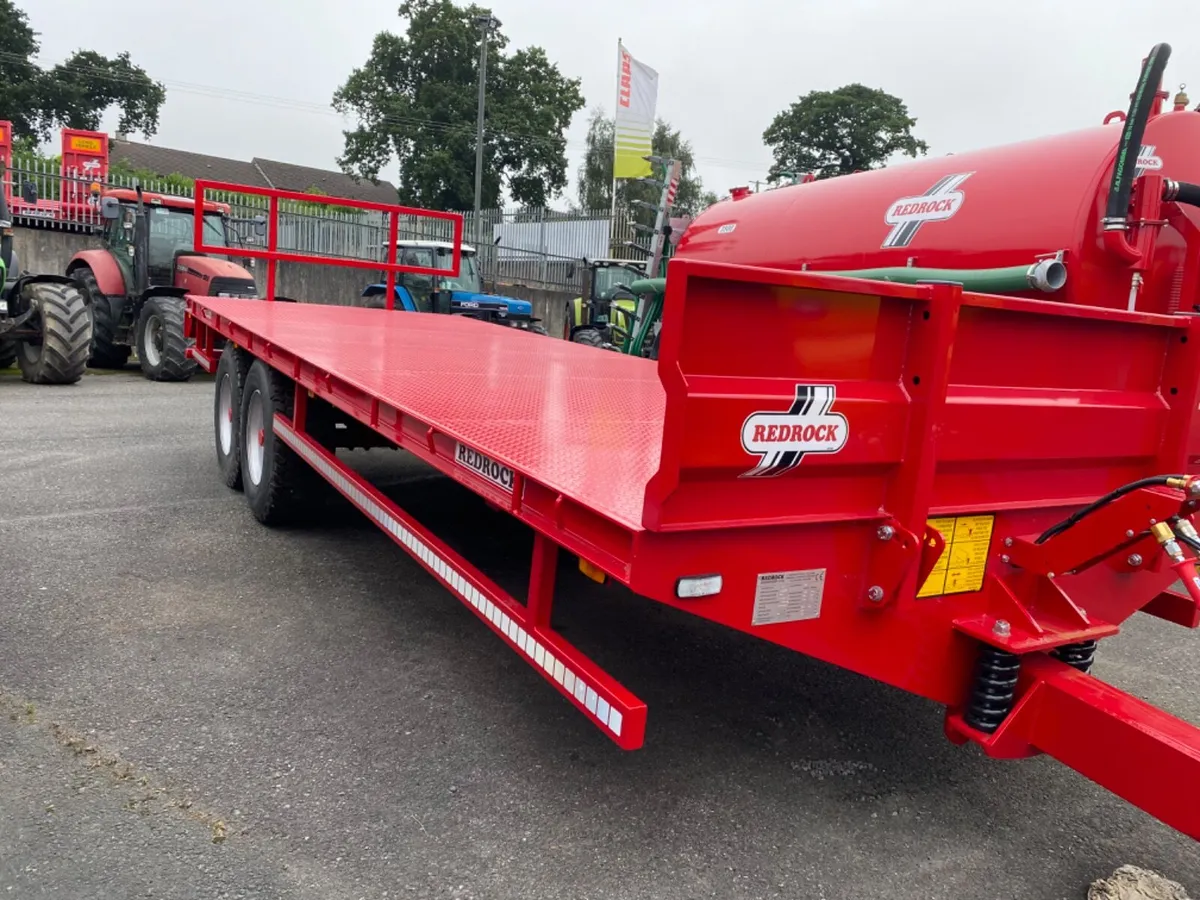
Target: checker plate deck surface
x: 582, y: 421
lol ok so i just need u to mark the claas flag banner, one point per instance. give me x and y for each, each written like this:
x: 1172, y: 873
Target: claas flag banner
x: 637, y: 93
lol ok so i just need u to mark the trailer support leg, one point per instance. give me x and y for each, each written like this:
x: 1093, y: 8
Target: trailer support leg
x: 541, y: 581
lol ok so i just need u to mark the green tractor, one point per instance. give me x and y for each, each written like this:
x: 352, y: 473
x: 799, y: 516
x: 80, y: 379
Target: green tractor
x: 45, y: 322
x: 604, y: 317
x: 623, y: 311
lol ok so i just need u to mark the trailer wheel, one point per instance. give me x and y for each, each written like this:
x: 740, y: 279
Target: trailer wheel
x: 273, y: 476
x: 106, y: 353
x: 8, y: 354
x: 590, y: 336
x: 66, y: 326
x: 161, y: 346
x: 227, y: 414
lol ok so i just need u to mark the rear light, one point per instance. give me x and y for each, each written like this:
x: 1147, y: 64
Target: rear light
x: 697, y: 586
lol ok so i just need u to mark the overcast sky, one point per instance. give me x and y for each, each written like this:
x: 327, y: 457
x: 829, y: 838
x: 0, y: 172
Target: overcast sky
x: 254, y: 77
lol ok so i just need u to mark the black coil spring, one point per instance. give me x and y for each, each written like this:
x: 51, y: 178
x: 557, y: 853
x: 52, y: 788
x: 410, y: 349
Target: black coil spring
x: 1079, y: 656
x: 994, y: 688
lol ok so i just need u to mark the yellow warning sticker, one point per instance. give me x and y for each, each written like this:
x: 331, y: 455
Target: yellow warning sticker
x: 960, y: 568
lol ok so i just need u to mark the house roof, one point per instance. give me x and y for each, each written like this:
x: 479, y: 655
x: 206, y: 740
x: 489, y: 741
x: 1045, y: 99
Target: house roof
x: 165, y: 161
x: 260, y: 172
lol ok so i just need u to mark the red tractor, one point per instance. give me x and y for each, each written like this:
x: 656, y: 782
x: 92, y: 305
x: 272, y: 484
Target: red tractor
x: 137, y: 282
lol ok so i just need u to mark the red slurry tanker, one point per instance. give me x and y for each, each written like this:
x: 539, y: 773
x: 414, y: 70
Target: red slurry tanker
x: 948, y: 441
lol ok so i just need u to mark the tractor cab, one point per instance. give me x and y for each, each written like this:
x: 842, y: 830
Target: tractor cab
x: 136, y: 284
x: 606, y: 312
x: 460, y: 295
x: 170, y: 235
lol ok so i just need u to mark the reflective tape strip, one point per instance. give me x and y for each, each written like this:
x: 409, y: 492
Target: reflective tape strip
x: 537, y: 653
x: 201, y: 360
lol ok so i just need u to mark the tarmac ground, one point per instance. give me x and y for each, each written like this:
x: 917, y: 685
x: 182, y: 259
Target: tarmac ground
x: 193, y: 705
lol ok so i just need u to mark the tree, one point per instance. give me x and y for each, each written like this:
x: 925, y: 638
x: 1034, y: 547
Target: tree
x: 75, y: 93
x: 415, y: 98
x: 838, y: 132
x: 18, y: 75
x: 596, y: 181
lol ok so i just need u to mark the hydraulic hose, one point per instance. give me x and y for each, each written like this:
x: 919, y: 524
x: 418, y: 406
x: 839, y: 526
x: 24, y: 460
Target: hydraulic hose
x: 1108, y: 498
x: 1131, y: 138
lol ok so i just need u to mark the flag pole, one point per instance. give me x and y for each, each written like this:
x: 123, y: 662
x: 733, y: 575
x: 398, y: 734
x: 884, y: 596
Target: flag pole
x: 612, y: 213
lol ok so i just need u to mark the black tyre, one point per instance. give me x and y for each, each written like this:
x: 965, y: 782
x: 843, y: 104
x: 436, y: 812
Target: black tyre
x: 227, y: 414
x: 274, y: 478
x: 106, y: 353
x: 8, y: 354
x: 161, y: 346
x: 66, y: 326
x: 590, y: 336
x: 538, y: 328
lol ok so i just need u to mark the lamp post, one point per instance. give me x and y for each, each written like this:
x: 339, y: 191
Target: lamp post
x: 487, y: 24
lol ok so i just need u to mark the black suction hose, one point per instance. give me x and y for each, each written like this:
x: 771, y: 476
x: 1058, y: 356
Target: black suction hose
x: 1182, y: 192
x: 1131, y: 137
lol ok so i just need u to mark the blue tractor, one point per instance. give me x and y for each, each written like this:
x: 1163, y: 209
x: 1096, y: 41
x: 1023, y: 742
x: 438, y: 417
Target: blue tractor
x: 461, y: 296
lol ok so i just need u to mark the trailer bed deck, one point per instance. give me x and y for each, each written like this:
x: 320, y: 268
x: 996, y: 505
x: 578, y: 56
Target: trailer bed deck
x: 583, y: 423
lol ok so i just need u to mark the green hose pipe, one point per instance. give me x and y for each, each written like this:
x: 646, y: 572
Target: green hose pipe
x: 649, y: 286
x: 1046, y: 275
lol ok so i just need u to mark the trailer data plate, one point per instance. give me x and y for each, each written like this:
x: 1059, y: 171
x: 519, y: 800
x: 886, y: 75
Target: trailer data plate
x: 960, y: 568
x: 788, y: 596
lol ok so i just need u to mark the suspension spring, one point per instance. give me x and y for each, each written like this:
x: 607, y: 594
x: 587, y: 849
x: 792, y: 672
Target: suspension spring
x: 994, y: 689
x: 1078, y: 656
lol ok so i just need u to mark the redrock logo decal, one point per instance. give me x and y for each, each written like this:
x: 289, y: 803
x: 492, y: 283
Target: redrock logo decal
x: 497, y: 473
x: 782, y: 439
x: 937, y: 204
x: 1147, y: 161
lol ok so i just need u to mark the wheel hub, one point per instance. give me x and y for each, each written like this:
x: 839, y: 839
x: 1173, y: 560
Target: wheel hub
x: 154, y: 341
x: 256, y: 435
x: 225, y: 400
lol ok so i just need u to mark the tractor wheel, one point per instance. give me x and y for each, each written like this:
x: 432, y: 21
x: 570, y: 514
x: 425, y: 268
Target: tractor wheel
x: 161, y: 346
x: 590, y: 336
x: 227, y: 418
x: 8, y: 354
x: 274, y: 478
x: 106, y: 352
x: 66, y: 325
x: 538, y: 329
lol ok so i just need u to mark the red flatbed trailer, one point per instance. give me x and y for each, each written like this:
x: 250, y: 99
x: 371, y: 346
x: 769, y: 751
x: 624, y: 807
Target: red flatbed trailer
x: 856, y: 470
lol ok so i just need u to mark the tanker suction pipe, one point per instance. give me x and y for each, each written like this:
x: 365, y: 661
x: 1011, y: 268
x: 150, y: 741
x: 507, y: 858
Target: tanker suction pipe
x: 1046, y: 275
x: 1115, y: 222
x: 1181, y: 192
